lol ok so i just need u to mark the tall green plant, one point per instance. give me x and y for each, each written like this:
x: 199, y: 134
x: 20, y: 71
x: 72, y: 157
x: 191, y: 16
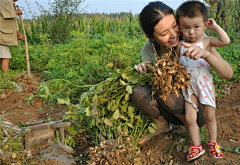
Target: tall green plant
x: 62, y: 20
x: 58, y: 21
x: 227, y: 15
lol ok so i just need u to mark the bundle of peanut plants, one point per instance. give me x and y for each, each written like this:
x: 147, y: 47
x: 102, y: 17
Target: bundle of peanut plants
x: 108, y: 107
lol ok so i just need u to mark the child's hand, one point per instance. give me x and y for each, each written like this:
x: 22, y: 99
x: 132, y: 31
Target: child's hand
x: 194, y: 52
x: 211, y: 24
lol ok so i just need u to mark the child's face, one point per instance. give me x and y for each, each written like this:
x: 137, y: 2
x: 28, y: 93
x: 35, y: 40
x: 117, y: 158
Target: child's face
x: 192, y: 28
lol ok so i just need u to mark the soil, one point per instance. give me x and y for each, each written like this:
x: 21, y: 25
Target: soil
x: 18, y: 107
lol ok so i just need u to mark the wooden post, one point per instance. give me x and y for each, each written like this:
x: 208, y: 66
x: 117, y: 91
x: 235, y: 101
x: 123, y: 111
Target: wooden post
x: 26, y: 46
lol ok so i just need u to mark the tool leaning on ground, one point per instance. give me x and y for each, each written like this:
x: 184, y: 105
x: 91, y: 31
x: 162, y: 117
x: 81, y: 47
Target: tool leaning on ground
x: 26, y: 44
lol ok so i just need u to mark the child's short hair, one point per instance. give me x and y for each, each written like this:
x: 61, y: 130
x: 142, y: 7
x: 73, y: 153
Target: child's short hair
x: 191, y: 9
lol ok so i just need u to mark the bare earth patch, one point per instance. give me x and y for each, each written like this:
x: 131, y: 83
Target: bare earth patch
x: 15, y: 108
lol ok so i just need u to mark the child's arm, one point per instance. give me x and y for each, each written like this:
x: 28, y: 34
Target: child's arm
x: 223, y: 39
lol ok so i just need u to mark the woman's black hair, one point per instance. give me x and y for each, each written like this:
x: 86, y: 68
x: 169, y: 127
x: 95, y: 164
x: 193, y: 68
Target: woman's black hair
x: 151, y: 15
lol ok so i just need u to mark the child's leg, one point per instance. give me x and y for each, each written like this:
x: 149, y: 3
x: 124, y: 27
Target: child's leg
x: 191, y: 119
x: 196, y: 149
x: 210, y: 117
x: 213, y: 146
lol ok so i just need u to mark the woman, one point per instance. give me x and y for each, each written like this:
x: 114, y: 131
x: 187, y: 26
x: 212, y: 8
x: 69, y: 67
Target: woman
x: 160, y: 27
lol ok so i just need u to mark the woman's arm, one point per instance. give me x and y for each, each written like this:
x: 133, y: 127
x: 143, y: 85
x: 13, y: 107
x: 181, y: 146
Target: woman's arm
x: 222, y: 67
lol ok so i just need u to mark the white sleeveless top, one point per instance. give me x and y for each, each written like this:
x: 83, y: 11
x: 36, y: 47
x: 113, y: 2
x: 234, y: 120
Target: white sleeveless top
x: 201, y: 79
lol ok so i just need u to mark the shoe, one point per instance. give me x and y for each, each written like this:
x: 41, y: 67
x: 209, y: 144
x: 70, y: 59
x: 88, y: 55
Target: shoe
x: 195, y: 152
x: 214, y: 150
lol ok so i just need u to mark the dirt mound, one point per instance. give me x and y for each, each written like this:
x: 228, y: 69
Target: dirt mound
x: 25, y: 106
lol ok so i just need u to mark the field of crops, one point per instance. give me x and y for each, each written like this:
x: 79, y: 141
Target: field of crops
x: 85, y: 61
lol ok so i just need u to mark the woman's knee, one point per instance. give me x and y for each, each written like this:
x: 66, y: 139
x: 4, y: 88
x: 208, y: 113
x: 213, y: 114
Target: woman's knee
x: 142, y: 98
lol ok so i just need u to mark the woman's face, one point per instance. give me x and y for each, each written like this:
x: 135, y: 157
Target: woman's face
x: 166, y: 32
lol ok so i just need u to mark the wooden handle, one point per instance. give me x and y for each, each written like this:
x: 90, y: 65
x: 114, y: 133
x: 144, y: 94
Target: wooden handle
x: 26, y: 44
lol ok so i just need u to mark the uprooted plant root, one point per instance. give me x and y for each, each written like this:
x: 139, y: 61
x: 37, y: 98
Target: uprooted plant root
x: 169, y: 75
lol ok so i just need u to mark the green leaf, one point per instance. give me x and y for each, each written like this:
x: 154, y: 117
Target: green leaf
x: 151, y: 130
x: 109, y: 105
x: 131, y: 108
x: 122, y: 82
x: 68, y: 101
x: 57, y: 133
x: 124, y: 76
x: 47, y: 92
x: 122, y: 117
x: 130, y: 125
x: 124, y: 107
x: 102, y: 100
x: 114, y: 107
x: 61, y: 101
x: 155, y: 126
x: 129, y: 89
x: 110, y: 65
x: 237, y: 150
x: 72, y: 131
x: 88, y: 112
x: 127, y: 96
x: 108, y: 122
x: 74, y: 117
x: 134, y: 81
x: 130, y: 111
x: 95, y: 97
x: 83, y: 96
x: 116, y: 114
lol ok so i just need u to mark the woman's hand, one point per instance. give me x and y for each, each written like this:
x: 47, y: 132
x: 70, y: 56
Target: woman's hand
x: 141, y: 67
x: 194, y: 52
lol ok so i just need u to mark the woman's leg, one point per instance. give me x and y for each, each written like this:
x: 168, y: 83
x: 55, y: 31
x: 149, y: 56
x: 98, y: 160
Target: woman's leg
x: 143, y: 99
x: 163, y: 126
x: 173, y: 109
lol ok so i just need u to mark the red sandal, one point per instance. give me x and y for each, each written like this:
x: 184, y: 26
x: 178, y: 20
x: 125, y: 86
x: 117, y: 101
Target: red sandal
x: 214, y: 150
x: 195, y: 152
